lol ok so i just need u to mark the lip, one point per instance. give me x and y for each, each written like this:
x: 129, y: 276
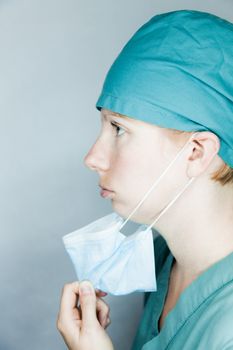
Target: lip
x: 106, y: 193
x: 105, y: 188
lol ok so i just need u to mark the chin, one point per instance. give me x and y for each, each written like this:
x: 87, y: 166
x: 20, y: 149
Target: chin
x: 119, y: 209
x: 124, y: 213
x: 119, y: 212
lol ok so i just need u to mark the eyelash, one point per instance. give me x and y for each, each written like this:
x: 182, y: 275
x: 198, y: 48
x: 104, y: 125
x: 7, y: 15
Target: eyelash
x: 116, y: 126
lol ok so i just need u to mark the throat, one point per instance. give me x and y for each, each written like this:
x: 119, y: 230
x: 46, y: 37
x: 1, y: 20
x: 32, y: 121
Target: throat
x: 172, y: 296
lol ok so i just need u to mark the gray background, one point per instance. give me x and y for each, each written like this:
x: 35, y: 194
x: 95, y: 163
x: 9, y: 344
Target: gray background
x: 53, y: 60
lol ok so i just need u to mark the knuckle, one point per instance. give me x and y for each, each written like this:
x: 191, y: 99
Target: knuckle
x: 59, y: 324
x: 66, y: 286
x: 108, y: 323
x: 75, y: 283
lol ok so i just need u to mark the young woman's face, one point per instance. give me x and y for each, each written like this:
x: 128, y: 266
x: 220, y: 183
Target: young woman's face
x: 129, y: 155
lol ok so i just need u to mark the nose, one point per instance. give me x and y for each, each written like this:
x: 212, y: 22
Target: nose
x: 97, y: 159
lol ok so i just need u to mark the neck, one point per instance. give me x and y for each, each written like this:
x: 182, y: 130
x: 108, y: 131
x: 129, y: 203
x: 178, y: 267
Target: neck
x: 201, y: 233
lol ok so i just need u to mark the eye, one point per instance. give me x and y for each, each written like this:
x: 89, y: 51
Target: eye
x: 117, y: 127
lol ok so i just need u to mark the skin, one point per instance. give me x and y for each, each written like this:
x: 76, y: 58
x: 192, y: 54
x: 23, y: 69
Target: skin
x: 129, y: 158
x: 82, y: 327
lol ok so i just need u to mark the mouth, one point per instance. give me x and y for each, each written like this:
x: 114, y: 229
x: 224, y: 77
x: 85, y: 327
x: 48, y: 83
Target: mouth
x: 105, y: 192
x: 105, y: 188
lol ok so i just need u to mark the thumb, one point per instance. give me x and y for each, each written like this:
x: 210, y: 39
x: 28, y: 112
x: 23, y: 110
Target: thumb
x: 88, y: 304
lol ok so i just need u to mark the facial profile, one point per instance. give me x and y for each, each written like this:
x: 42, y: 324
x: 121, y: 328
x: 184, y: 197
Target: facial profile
x: 128, y: 156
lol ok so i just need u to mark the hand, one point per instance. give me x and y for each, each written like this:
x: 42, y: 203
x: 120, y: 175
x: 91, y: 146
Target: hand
x: 82, y: 327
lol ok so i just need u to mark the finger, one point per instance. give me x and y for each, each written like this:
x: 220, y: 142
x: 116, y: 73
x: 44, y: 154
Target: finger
x: 100, y: 293
x: 69, y: 299
x: 108, y: 321
x: 103, y: 311
x: 88, y: 304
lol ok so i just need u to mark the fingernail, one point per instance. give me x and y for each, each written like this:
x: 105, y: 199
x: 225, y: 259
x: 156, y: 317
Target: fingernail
x: 85, y: 288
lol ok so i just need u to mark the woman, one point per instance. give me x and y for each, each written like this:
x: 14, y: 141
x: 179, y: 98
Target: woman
x: 173, y: 78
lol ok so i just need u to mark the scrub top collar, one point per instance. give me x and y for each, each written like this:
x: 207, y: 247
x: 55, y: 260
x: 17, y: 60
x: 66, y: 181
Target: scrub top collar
x: 212, y: 280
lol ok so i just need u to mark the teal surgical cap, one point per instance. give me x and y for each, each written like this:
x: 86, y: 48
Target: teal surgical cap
x: 176, y: 72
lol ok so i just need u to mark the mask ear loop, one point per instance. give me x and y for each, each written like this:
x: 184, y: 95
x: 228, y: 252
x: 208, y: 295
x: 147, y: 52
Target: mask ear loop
x: 157, y: 181
x: 172, y: 202
x: 176, y: 197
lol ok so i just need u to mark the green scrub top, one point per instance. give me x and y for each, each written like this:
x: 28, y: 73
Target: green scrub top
x: 202, y: 318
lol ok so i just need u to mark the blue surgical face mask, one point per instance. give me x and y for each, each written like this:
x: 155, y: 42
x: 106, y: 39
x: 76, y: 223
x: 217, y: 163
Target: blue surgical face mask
x: 115, y: 263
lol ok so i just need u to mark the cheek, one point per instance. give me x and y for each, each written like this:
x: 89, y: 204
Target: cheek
x: 133, y: 174
x: 132, y: 168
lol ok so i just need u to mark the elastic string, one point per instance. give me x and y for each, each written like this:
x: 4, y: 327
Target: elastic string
x: 173, y: 201
x: 158, y: 180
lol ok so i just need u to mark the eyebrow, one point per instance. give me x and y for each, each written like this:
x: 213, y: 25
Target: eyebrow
x: 112, y: 115
x: 124, y: 120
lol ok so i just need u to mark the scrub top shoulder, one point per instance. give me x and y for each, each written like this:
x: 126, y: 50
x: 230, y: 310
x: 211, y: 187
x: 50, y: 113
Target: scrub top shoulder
x: 203, y: 315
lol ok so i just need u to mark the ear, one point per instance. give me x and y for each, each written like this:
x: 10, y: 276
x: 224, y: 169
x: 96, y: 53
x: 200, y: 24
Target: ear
x: 204, y: 147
